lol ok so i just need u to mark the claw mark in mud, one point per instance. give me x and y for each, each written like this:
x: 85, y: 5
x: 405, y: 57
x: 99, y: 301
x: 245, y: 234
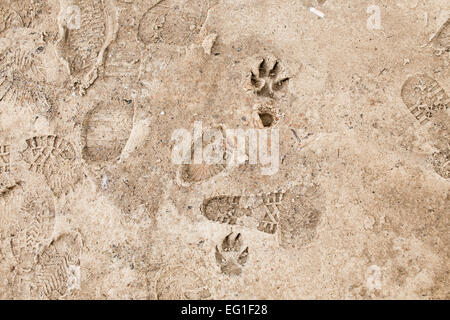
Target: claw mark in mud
x: 179, y: 283
x: 268, y: 77
x: 82, y: 49
x: 106, y: 130
x: 58, y: 266
x: 424, y: 97
x: 230, y: 258
x: 54, y: 158
x: 173, y: 22
x: 34, y: 226
x: 289, y: 214
x: 22, y: 75
x: 5, y: 161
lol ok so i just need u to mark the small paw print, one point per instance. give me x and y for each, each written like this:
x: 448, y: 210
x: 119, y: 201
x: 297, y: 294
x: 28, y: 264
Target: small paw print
x: 268, y: 78
x: 230, y: 258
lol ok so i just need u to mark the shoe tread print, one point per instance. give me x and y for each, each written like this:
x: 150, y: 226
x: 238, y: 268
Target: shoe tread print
x: 82, y: 48
x: 288, y: 214
x: 428, y: 102
x: 425, y: 98
x: 58, y: 266
x: 54, y: 158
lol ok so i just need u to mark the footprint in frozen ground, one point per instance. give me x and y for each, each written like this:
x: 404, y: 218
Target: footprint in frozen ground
x: 428, y: 102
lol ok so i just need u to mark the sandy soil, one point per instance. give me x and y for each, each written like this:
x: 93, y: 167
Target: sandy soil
x: 93, y: 206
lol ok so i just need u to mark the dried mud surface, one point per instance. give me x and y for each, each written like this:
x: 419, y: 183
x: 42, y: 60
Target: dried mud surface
x: 93, y: 207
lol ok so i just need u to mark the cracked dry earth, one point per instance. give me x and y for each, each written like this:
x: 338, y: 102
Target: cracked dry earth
x: 93, y: 207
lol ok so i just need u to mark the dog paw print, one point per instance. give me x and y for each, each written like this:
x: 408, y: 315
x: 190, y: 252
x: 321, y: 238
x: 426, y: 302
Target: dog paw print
x: 268, y: 78
x: 230, y: 258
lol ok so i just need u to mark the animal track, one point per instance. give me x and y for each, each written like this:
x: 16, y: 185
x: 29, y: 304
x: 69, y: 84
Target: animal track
x: 424, y: 97
x: 106, y: 130
x: 268, y: 78
x: 34, y: 226
x: 82, y: 49
x: 5, y: 162
x: 289, y: 214
x: 173, y: 22
x: 441, y: 41
x: 58, y: 266
x: 179, y: 283
x: 265, y: 116
x: 22, y: 79
x: 230, y: 258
